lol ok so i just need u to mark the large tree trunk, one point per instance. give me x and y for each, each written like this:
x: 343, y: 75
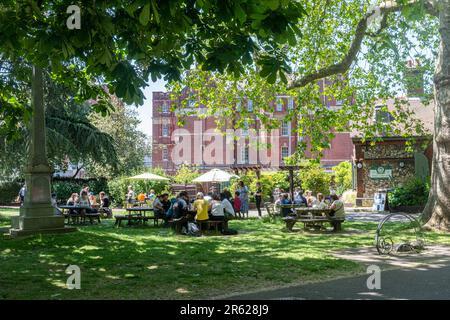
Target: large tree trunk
x: 437, y: 210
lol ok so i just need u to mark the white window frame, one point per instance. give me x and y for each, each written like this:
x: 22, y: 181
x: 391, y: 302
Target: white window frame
x: 165, y: 154
x: 165, y: 108
x: 165, y: 130
x: 250, y: 105
x: 238, y: 105
x: 290, y: 103
x: 285, y: 126
x: 245, y: 155
x: 279, y: 105
x: 284, y: 148
x: 245, y: 130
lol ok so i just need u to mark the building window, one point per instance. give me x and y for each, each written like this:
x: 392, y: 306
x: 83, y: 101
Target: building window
x: 250, y: 105
x: 165, y: 154
x: 245, y: 155
x: 290, y: 103
x: 285, y: 128
x: 280, y: 105
x: 238, y: 105
x: 245, y: 130
x: 284, y: 152
x: 165, y: 130
x: 382, y: 116
x: 165, y: 108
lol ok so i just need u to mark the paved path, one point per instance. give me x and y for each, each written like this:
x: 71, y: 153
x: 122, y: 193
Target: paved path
x: 412, y: 276
x: 395, y: 284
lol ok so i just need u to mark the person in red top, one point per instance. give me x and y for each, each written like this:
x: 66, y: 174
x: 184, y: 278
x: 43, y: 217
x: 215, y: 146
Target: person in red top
x: 237, y: 204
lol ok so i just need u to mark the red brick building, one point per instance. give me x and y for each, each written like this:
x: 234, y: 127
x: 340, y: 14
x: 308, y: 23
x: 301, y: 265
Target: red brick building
x: 197, y: 142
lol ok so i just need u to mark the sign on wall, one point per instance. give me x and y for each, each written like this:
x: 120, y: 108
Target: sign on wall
x: 380, y: 172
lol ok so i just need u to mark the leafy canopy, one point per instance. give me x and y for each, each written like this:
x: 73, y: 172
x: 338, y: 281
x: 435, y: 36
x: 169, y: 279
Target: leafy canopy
x: 122, y: 43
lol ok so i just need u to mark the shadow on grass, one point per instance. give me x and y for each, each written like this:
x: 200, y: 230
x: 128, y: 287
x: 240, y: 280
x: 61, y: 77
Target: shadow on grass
x: 153, y: 263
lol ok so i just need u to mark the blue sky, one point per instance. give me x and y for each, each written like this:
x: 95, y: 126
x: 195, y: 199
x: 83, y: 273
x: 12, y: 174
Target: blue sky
x: 145, y: 111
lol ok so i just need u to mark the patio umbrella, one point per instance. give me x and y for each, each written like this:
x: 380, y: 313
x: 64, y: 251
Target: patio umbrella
x: 150, y: 176
x: 215, y: 175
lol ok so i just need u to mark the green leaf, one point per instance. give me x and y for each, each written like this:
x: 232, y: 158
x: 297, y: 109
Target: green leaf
x: 144, y: 17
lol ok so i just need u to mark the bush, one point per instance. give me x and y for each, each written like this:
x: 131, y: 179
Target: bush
x: 313, y: 177
x: 412, y: 193
x: 343, y: 177
x: 64, y: 187
x: 9, y: 190
x: 118, y: 188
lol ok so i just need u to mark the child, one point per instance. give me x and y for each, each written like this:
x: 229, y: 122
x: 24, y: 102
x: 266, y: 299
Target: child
x: 237, y: 204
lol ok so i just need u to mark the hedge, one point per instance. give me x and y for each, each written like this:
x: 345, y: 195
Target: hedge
x: 9, y: 190
x: 64, y: 187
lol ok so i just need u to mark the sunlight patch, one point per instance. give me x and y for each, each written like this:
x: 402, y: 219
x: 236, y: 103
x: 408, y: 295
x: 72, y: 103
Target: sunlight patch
x: 182, y: 290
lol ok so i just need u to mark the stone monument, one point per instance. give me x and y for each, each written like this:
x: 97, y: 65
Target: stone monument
x: 37, y: 215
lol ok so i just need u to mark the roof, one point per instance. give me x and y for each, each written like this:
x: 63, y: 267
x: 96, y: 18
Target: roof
x: 420, y: 111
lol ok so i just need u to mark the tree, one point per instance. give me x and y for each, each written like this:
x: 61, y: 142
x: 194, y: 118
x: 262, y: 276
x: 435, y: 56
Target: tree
x: 185, y: 174
x: 72, y: 136
x: 360, y: 53
x: 131, y: 144
x: 343, y: 176
x: 121, y: 43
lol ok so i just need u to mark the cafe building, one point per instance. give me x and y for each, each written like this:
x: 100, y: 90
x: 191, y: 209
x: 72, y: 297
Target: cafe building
x: 386, y: 162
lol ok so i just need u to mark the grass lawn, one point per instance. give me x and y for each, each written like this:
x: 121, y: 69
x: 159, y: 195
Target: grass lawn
x: 153, y: 263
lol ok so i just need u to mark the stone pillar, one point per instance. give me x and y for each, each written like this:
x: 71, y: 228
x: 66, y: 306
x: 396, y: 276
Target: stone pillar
x: 37, y: 215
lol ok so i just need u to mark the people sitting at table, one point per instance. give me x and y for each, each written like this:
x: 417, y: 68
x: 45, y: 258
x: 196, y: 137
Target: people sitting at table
x: 84, y: 188
x: 320, y: 202
x: 104, y: 209
x: 180, y: 206
x: 208, y: 197
x: 227, y: 194
x: 285, y: 211
x: 201, y: 205
x: 217, y: 211
x: 337, y: 210
x: 93, y: 199
x: 151, y: 196
x: 161, y: 205
x: 227, y: 206
x: 73, y: 201
x: 84, y: 202
x: 278, y: 200
x: 310, y: 198
x: 141, y: 198
x: 299, y: 198
x: 237, y: 204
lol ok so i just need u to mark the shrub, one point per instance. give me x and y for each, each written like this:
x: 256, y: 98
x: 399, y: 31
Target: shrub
x: 118, y: 188
x: 413, y: 193
x: 9, y: 190
x: 343, y: 177
x: 313, y: 177
x: 64, y: 187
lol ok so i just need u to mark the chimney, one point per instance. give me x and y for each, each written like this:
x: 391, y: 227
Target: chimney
x: 414, y: 79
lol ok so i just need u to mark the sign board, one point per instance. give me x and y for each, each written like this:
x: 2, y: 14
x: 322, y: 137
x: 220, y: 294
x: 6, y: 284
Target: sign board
x: 380, y: 172
x: 379, y: 201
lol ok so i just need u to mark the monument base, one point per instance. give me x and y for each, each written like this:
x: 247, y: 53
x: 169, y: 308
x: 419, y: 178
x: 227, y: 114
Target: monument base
x: 24, y: 226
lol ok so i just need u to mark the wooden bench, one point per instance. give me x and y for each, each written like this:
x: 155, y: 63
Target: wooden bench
x: 213, y: 223
x: 177, y: 224
x: 313, y: 222
x: 81, y: 218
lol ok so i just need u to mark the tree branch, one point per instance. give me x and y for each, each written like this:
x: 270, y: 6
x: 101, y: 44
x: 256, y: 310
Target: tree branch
x: 360, y: 33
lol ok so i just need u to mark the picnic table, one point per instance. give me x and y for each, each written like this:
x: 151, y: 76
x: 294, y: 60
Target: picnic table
x: 80, y: 215
x: 138, y: 214
x: 313, y: 218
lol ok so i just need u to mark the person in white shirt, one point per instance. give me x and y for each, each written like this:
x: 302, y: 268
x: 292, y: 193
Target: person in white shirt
x: 227, y: 206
